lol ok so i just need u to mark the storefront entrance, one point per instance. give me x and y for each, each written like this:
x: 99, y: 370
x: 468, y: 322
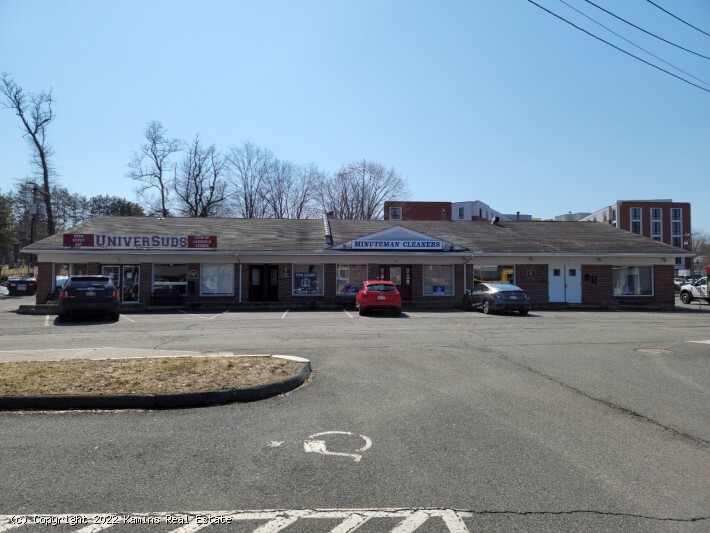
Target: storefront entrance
x: 263, y: 283
x: 565, y: 283
x: 401, y: 276
x: 126, y: 278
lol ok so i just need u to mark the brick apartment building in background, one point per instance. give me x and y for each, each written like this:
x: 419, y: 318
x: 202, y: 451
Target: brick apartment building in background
x: 475, y: 210
x: 661, y: 220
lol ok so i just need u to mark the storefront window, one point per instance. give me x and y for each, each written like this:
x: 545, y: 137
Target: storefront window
x: 349, y: 279
x: 62, y: 271
x: 438, y: 280
x: 633, y: 281
x: 170, y: 278
x: 217, y: 280
x: 308, y: 280
x: 493, y: 274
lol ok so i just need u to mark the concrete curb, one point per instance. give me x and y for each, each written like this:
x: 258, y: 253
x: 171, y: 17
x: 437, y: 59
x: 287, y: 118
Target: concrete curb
x: 157, y: 401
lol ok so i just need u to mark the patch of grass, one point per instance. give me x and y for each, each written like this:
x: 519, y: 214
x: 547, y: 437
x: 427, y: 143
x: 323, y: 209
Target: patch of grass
x: 140, y: 376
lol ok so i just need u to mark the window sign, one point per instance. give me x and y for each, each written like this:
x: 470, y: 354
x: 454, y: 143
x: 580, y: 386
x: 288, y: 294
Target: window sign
x: 349, y: 279
x: 307, y: 280
x: 217, y: 280
x: 438, y: 280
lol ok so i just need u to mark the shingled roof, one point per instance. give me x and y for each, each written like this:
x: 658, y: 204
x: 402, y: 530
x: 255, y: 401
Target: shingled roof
x: 287, y: 235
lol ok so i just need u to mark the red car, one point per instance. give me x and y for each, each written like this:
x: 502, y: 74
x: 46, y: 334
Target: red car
x: 378, y: 294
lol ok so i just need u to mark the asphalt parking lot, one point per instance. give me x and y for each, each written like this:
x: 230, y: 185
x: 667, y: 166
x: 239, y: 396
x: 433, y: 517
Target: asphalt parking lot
x: 558, y: 421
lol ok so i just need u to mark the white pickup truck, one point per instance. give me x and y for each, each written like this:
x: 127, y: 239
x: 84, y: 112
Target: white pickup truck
x: 694, y: 291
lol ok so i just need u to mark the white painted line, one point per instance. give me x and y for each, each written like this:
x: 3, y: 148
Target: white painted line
x: 200, y: 316
x: 129, y: 319
x: 46, y: 321
x: 194, y: 525
x: 411, y: 523
x: 285, y: 313
x: 346, y: 312
x: 351, y: 523
x: 291, y: 358
x: 93, y: 528
x: 277, y: 524
x: 10, y: 522
x: 277, y: 520
x: 700, y: 342
x: 412, y: 314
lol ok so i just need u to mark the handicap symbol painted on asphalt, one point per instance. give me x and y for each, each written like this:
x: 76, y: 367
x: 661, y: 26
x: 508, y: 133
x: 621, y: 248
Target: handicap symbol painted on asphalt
x: 318, y: 446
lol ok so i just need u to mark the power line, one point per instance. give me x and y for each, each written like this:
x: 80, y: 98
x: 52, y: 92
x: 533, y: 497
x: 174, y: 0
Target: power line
x: 677, y: 18
x: 620, y: 49
x: 645, y: 31
x: 634, y: 44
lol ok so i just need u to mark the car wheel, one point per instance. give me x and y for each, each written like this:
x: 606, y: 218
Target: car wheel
x: 61, y: 317
x: 397, y: 312
x: 523, y: 312
x: 115, y: 316
x: 361, y: 311
x: 486, y: 307
x: 466, y: 303
x: 685, y: 297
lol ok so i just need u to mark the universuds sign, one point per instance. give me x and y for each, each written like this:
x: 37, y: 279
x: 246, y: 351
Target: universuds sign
x: 88, y: 240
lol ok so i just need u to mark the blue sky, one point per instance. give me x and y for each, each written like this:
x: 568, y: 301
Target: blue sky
x: 497, y: 101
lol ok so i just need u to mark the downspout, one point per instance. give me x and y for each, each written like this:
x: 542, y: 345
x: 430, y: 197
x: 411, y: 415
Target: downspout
x: 464, y: 272
x: 240, y: 277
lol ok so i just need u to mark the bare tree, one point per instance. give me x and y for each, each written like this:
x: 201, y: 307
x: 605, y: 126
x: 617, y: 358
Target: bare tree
x: 249, y: 168
x: 290, y: 191
x: 359, y: 190
x: 199, y: 184
x: 151, y: 165
x: 35, y: 112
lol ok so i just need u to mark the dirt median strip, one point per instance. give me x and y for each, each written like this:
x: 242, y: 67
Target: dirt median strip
x: 144, y: 376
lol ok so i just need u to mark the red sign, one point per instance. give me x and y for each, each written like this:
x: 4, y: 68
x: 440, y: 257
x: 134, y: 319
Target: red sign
x: 77, y: 240
x: 202, y: 241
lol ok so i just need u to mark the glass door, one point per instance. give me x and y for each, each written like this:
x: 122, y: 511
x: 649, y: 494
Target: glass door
x: 401, y: 276
x: 131, y: 284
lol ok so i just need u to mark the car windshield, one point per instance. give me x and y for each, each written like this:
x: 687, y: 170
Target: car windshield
x: 380, y: 287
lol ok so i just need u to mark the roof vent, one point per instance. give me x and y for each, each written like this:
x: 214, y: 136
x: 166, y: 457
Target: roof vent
x: 495, y: 219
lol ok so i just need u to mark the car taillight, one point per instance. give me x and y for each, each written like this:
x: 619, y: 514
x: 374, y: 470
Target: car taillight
x: 64, y: 295
x: 115, y: 294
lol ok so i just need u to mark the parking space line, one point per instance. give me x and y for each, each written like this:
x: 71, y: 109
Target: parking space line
x: 412, y: 314
x: 285, y: 313
x: 204, y: 317
x: 130, y: 320
x: 346, y: 312
x: 46, y: 321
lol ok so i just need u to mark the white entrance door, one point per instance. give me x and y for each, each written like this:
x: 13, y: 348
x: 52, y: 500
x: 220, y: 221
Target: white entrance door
x: 565, y: 283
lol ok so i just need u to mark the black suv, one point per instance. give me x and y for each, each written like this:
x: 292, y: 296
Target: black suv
x: 88, y: 295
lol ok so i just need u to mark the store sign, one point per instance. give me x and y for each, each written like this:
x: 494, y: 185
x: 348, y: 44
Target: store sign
x: 372, y: 244
x: 79, y: 240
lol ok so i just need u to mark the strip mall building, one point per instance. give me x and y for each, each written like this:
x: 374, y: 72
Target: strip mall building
x: 322, y: 263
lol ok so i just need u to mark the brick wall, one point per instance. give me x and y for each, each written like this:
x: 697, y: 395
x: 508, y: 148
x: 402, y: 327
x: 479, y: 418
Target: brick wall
x: 533, y: 280
x: 597, y: 286
x: 45, y: 280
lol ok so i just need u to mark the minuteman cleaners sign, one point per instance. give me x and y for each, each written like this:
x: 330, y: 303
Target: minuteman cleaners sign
x: 90, y: 240
x: 400, y: 239
x: 374, y: 244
